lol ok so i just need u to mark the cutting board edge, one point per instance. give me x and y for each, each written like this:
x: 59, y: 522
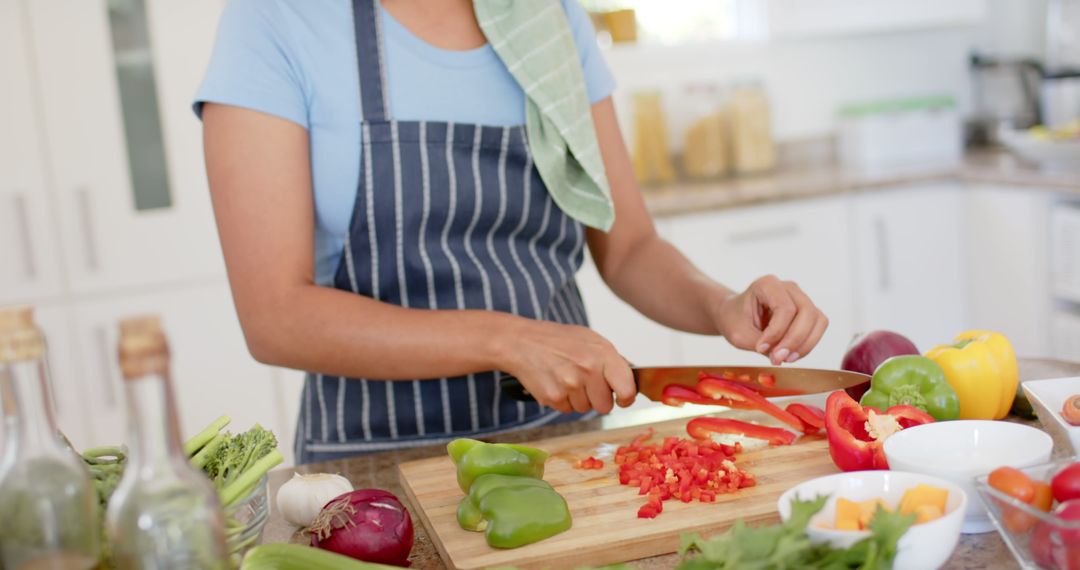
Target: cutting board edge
x: 429, y: 527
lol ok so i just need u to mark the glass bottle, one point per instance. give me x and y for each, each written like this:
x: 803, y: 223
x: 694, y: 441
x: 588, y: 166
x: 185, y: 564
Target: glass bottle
x: 753, y: 148
x: 164, y: 514
x: 48, y: 505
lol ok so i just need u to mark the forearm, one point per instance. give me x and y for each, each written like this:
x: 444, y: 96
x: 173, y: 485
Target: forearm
x: 335, y: 332
x: 658, y: 280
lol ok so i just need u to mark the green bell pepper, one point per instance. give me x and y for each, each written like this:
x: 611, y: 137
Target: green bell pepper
x: 914, y: 381
x: 513, y: 511
x: 475, y: 458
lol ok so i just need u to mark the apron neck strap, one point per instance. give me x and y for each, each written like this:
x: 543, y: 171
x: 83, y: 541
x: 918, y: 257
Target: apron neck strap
x: 370, y: 60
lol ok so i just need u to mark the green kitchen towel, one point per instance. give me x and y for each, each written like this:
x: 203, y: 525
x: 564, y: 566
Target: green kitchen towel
x: 534, y: 41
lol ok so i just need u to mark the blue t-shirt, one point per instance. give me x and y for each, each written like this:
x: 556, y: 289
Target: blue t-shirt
x: 296, y: 59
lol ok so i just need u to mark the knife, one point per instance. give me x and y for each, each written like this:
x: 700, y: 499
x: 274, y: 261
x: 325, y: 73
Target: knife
x: 785, y: 381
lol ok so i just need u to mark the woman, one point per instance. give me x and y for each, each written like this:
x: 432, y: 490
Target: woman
x: 403, y: 205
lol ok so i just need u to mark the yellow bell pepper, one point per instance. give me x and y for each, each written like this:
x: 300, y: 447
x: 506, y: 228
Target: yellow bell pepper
x: 981, y: 367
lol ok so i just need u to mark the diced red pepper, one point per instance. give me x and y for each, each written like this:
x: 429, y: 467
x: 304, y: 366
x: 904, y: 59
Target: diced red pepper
x: 812, y: 417
x: 702, y: 428
x: 736, y: 395
x: 851, y: 445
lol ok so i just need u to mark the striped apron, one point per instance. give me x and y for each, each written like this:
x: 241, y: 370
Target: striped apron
x: 447, y: 216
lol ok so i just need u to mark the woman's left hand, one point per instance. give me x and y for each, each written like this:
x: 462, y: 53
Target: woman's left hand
x: 772, y: 317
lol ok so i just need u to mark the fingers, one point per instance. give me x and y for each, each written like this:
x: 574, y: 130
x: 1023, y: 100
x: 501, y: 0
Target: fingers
x: 800, y: 329
x: 579, y: 400
x: 776, y: 299
x: 620, y: 380
x: 815, y: 336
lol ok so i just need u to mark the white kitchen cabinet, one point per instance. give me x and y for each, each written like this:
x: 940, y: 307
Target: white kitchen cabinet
x: 910, y: 269
x: 212, y: 371
x: 29, y: 259
x: 806, y: 242
x: 111, y: 239
x: 1008, y: 262
x: 1065, y: 336
x: 1065, y: 250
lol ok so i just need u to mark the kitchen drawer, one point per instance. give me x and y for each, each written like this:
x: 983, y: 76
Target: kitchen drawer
x: 1066, y: 336
x: 1065, y: 251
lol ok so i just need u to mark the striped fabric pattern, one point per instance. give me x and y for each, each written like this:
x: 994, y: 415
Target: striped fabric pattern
x: 447, y: 216
x: 533, y: 39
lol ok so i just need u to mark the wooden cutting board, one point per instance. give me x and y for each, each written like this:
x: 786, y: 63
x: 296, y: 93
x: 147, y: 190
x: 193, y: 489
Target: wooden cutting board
x: 606, y: 528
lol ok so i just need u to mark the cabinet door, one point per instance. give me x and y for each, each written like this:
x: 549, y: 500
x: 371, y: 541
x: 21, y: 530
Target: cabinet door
x: 1008, y: 263
x: 29, y: 260
x: 133, y: 208
x: 910, y: 262
x: 806, y: 242
x: 212, y: 372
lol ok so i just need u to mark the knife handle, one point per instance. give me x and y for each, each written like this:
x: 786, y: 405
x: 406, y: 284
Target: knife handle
x: 514, y: 390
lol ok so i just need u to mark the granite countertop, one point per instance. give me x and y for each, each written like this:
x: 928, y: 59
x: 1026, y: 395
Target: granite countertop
x: 826, y: 177
x: 379, y: 471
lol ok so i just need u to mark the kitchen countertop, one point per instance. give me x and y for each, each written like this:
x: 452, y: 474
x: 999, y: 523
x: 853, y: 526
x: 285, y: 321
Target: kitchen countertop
x: 825, y: 178
x: 379, y: 471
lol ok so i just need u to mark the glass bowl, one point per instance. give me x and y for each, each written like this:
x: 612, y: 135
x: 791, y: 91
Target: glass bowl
x: 1038, y: 540
x: 245, y: 520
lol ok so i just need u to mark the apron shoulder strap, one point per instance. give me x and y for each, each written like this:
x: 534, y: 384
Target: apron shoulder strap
x: 370, y: 60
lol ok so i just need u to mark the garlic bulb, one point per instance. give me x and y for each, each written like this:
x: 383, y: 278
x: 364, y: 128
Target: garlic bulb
x: 301, y: 498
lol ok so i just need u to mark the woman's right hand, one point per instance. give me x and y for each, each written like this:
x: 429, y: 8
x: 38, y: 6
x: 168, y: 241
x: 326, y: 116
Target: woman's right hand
x: 567, y: 367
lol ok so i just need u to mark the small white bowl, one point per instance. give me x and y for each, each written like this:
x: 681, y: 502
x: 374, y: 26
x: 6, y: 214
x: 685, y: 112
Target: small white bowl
x: 964, y: 449
x: 1047, y: 397
x: 923, y: 547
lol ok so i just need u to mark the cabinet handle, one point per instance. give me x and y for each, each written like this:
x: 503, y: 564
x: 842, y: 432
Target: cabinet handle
x: 22, y: 228
x: 881, y: 236
x: 86, y: 219
x: 763, y: 234
x: 102, y: 340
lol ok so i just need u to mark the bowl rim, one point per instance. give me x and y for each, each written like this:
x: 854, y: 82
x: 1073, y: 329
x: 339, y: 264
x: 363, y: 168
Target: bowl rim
x: 890, y: 443
x: 785, y: 499
x: 986, y: 493
x: 1030, y: 388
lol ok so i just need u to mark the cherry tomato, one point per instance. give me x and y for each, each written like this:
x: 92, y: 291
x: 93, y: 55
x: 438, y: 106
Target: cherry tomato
x: 1013, y: 483
x: 1055, y: 547
x: 1044, y: 496
x: 1066, y: 484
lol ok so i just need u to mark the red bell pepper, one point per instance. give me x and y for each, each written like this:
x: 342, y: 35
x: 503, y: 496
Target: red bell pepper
x: 735, y: 395
x: 856, y: 433
x: 764, y: 385
x: 702, y: 428
x: 677, y: 395
x: 812, y: 417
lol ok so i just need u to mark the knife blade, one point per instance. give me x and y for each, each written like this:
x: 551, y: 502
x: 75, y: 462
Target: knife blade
x: 785, y: 381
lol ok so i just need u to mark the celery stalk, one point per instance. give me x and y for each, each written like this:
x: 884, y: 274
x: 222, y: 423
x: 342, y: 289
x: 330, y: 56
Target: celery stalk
x: 202, y: 438
x: 249, y: 477
x: 299, y: 557
x: 199, y: 459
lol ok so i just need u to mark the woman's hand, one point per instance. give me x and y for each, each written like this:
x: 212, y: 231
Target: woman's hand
x: 772, y: 317
x: 567, y: 367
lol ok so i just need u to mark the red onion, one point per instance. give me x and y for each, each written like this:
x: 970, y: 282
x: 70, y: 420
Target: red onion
x: 366, y: 524
x: 868, y: 351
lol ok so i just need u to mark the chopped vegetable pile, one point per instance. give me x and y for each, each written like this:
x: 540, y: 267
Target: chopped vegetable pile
x: 589, y: 462
x: 678, y: 468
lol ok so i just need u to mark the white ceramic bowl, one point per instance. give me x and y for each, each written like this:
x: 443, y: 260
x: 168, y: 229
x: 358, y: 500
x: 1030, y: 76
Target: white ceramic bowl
x: 923, y: 547
x: 1047, y: 397
x: 964, y: 449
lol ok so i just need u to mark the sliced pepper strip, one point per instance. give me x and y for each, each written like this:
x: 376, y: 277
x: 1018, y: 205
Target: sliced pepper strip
x: 677, y: 395
x: 703, y: 428
x: 812, y: 417
x: 735, y: 395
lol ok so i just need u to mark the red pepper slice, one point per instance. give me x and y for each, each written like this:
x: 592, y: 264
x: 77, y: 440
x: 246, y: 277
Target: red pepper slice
x: 851, y: 446
x: 812, y: 417
x: 677, y: 395
x: 766, y: 380
x: 735, y: 395
x: 701, y: 428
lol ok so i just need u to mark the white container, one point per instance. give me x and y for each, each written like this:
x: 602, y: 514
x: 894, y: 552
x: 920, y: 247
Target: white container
x: 890, y: 134
x: 1047, y: 397
x: 923, y: 547
x: 962, y: 450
